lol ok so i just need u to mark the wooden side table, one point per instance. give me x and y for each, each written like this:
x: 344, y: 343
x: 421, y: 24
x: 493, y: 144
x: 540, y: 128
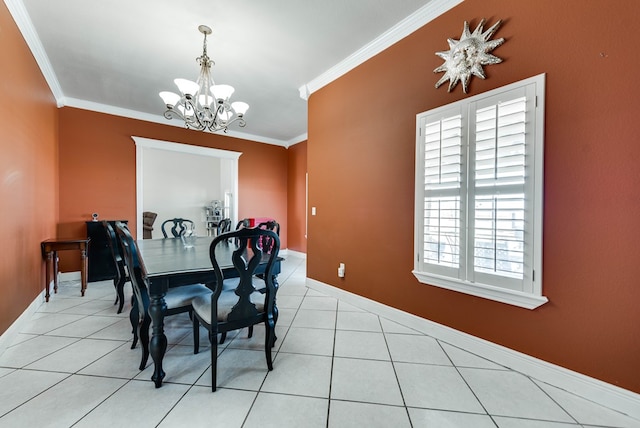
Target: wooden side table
x: 50, y: 248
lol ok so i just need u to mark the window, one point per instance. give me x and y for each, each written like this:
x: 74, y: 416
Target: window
x: 479, y: 176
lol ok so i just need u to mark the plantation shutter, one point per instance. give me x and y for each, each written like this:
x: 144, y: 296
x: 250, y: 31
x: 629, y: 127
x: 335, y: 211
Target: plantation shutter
x: 479, y: 186
x: 497, y: 195
x: 443, y: 189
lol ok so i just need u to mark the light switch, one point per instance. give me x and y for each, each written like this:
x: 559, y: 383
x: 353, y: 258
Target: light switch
x: 313, y: 210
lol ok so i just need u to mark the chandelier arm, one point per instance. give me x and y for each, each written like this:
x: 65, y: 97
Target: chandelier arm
x: 239, y: 120
x: 219, y: 109
x: 171, y: 114
x: 193, y: 121
x: 215, y: 124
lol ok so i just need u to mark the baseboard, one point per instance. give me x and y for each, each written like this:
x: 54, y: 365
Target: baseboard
x: 69, y: 276
x: 8, y: 337
x: 603, y: 393
x: 288, y: 252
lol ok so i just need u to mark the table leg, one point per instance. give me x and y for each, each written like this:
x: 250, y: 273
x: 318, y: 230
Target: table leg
x: 275, y: 309
x: 48, y: 275
x: 158, y: 342
x: 83, y: 270
x: 55, y: 271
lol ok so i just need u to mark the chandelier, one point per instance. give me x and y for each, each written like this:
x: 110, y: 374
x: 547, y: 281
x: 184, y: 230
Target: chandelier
x: 203, y: 105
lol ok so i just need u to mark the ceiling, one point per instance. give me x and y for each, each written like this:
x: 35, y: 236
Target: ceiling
x: 115, y: 56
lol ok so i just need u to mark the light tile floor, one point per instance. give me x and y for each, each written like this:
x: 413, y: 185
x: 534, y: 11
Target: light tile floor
x: 335, y: 366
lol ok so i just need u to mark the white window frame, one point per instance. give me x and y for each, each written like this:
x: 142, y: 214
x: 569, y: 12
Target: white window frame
x: 463, y: 278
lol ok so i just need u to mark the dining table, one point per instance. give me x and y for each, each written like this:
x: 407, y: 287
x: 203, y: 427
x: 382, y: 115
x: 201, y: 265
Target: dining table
x: 169, y: 263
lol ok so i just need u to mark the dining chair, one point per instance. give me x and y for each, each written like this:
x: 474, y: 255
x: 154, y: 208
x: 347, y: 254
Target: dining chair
x: 264, y: 243
x: 179, y: 225
x: 122, y: 276
x: 224, y: 226
x: 148, y: 218
x: 178, y: 299
x: 233, y: 308
x: 268, y: 225
x: 244, y: 223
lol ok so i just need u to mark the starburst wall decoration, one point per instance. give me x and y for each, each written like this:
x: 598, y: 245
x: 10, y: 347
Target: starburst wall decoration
x: 466, y: 56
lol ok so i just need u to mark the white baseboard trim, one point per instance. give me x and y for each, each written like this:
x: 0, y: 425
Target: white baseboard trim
x: 288, y: 252
x: 8, y: 337
x: 69, y: 276
x: 603, y: 393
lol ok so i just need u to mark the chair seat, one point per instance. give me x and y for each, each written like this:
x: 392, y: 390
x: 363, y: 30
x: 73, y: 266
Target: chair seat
x: 183, y: 296
x: 226, y: 301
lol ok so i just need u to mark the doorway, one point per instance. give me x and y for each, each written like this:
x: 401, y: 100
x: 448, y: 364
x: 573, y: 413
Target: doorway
x: 180, y: 180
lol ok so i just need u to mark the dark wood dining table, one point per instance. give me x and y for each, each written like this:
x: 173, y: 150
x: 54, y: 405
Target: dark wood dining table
x: 169, y: 264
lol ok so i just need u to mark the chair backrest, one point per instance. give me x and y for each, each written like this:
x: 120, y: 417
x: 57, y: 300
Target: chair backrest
x: 247, y: 258
x: 270, y: 225
x: 244, y: 223
x: 137, y: 271
x: 266, y: 242
x: 224, y: 226
x: 148, y: 218
x: 178, y: 226
x: 116, y: 251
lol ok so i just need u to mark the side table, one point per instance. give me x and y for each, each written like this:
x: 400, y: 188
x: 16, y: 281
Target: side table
x: 50, y: 248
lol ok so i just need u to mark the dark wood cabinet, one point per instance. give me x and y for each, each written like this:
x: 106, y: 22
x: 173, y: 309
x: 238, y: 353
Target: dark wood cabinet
x: 101, y: 266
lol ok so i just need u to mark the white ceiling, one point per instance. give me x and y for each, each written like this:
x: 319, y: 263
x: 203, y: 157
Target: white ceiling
x: 116, y: 55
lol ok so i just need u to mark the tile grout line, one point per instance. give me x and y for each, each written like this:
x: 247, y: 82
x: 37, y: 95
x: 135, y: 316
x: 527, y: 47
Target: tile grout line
x: 395, y: 373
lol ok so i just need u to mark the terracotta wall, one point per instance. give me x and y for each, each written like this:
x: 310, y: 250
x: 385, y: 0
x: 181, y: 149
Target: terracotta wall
x: 28, y: 171
x: 98, y: 171
x: 361, y: 179
x: 297, y: 197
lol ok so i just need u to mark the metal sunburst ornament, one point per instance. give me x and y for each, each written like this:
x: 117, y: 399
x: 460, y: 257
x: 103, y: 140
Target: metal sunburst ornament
x: 467, y: 56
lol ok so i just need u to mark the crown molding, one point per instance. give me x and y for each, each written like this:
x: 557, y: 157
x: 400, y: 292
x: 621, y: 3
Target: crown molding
x: 405, y: 27
x: 299, y: 139
x: 413, y: 22
x: 25, y: 25
x: 134, y: 114
x: 23, y: 21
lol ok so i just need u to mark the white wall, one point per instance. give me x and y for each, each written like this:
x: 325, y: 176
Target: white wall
x: 179, y: 180
x: 180, y: 185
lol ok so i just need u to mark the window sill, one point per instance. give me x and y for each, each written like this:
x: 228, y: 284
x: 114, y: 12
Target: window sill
x: 503, y: 295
